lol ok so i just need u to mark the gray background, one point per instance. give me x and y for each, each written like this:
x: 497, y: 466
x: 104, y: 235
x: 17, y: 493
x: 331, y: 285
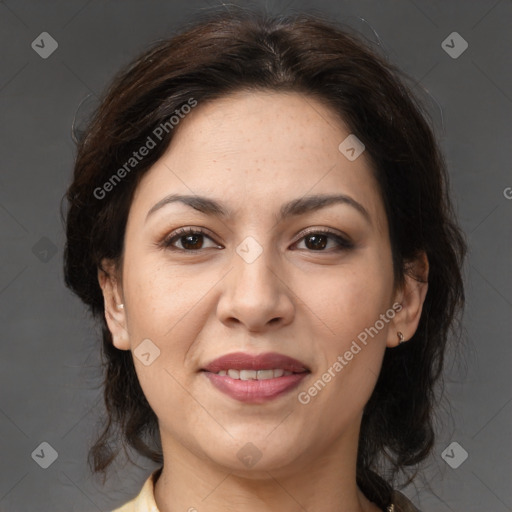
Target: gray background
x: 49, y: 382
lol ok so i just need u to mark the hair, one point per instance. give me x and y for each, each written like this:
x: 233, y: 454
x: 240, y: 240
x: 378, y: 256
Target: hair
x: 226, y: 52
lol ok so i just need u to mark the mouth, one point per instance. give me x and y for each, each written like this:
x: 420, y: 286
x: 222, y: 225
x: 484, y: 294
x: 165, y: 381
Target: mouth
x: 255, y: 379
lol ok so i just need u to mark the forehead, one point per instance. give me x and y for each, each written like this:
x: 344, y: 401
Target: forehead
x: 261, y: 122
x: 259, y: 148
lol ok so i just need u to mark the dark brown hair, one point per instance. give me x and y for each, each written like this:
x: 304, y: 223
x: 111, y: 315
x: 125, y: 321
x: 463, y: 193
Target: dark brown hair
x: 242, y: 50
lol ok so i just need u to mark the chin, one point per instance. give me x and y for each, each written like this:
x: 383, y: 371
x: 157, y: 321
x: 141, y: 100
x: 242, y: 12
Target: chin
x: 253, y: 455
x: 259, y: 469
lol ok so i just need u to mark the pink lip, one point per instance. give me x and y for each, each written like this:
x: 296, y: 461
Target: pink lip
x: 255, y: 391
x: 266, y: 361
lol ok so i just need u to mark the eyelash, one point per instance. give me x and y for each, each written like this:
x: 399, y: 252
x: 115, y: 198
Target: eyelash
x: 343, y: 243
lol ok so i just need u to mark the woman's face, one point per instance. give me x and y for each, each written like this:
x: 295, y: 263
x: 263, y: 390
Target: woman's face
x: 257, y: 282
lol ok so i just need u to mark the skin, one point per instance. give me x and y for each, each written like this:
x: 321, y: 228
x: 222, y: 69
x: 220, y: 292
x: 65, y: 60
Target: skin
x: 253, y: 152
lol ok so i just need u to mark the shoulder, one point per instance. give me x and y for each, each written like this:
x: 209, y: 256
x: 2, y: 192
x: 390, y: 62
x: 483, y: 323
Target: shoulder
x: 145, y: 500
x: 401, y: 503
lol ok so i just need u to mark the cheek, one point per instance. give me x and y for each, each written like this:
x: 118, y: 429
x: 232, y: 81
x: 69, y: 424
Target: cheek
x: 351, y: 299
x: 352, y: 346
x: 350, y: 302
x: 169, y: 309
x: 165, y: 299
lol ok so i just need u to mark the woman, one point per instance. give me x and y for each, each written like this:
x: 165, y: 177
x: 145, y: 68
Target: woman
x: 260, y: 218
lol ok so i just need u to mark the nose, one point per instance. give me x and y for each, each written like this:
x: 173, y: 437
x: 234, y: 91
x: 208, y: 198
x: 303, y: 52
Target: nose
x: 256, y: 294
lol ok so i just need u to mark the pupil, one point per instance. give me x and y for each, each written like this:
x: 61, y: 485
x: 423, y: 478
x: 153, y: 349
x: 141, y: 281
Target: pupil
x: 316, y: 243
x: 193, y: 237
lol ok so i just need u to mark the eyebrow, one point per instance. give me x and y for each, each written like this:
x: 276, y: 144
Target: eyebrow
x: 295, y: 207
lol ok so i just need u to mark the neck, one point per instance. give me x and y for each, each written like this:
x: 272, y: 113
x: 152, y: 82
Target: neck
x: 326, y: 483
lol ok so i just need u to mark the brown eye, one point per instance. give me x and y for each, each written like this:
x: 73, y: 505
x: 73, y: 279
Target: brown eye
x: 190, y: 239
x: 193, y: 240
x: 318, y: 241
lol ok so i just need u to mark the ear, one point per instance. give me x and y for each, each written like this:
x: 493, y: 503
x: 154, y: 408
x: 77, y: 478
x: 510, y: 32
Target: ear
x: 411, y: 297
x: 115, y: 315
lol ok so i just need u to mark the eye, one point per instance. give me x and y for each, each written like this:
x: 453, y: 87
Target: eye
x: 317, y: 240
x: 190, y: 239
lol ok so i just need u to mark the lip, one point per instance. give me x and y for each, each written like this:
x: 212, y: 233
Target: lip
x: 266, y: 361
x: 255, y: 391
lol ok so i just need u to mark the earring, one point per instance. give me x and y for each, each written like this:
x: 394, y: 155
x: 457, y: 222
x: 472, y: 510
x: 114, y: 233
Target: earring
x: 120, y: 306
x: 400, y: 337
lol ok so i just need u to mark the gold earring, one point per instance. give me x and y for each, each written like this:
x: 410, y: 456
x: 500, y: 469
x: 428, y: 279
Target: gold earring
x: 400, y: 337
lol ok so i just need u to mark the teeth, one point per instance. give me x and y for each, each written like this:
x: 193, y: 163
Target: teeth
x: 254, y: 374
x: 234, y: 374
x: 248, y: 374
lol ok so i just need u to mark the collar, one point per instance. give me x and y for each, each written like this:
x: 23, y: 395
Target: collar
x: 145, y: 500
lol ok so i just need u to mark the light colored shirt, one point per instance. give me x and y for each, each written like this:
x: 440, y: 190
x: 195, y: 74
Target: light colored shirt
x: 145, y: 500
